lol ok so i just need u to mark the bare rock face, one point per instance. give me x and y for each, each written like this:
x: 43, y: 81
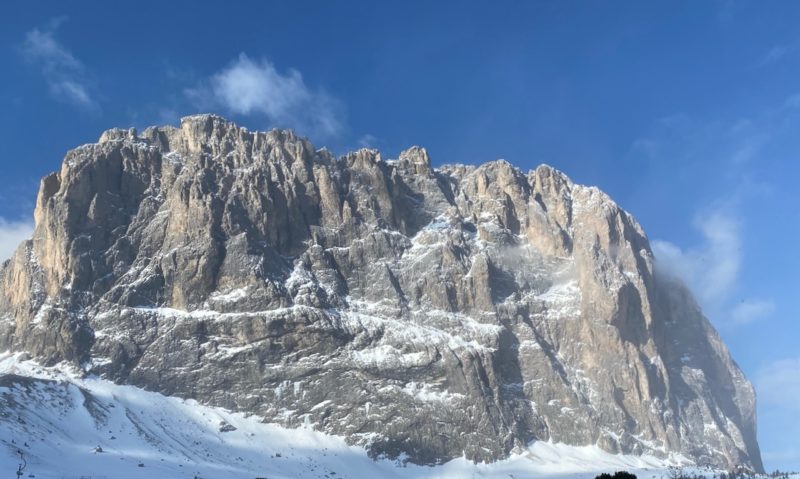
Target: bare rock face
x: 431, y: 312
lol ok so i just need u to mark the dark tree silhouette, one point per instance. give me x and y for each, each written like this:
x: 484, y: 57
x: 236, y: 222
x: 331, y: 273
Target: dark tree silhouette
x: 23, y: 464
x: 617, y: 475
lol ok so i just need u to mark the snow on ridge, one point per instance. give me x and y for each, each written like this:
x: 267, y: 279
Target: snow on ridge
x: 209, y: 314
x: 386, y: 354
x: 405, y: 331
x: 427, y: 393
x: 229, y: 296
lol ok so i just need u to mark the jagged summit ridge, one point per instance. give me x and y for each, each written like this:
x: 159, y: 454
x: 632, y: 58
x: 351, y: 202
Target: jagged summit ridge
x: 428, y: 311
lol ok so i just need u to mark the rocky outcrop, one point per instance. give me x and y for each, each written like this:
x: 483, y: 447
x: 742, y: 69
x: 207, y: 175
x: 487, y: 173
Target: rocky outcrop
x: 431, y: 312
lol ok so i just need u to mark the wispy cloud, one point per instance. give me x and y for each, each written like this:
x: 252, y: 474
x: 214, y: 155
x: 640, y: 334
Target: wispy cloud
x: 793, y: 101
x: 64, y: 73
x: 367, y: 141
x: 775, y: 54
x: 752, y: 310
x: 256, y: 87
x: 788, y: 455
x: 728, y: 10
x: 710, y: 268
x: 733, y: 152
x: 12, y: 233
x: 778, y: 384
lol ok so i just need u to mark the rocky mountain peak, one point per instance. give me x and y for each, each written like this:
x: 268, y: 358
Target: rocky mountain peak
x: 431, y: 312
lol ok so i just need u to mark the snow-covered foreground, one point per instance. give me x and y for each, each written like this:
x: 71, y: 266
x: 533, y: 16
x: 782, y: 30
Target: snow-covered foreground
x: 62, y: 422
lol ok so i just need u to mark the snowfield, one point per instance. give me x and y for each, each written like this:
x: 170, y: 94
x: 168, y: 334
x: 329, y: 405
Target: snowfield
x: 72, y: 427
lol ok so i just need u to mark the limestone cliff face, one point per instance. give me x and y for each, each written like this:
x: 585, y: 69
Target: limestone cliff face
x: 431, y: 312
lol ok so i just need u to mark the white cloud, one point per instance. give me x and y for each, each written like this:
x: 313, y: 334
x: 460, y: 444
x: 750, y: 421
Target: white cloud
x: 710, y: 269
x: 778, y: 384
x: 65, y: 74
x: 367, y: 141
x: 249, y: 87
x: 793, y: 101
x: 751, y: 310
x: 775, y: 54
x: 12, y: 233
x: 789, y: 455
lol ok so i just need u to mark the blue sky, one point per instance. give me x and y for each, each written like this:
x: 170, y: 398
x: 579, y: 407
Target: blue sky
x: 687, y: 113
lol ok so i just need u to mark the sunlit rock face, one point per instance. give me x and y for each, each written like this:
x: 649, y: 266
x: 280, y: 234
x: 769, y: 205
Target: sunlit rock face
x: 424, y: 312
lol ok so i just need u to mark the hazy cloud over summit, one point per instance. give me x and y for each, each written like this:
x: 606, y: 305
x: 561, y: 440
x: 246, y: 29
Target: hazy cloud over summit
x: 256, y: 87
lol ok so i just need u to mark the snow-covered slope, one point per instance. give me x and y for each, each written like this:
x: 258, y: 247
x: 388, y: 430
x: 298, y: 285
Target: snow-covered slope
x: 71, y: 427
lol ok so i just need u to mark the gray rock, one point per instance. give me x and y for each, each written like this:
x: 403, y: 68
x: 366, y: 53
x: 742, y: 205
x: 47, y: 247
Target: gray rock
x: 428, y: 311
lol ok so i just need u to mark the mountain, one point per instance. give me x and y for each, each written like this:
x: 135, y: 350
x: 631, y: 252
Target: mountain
x: 423, y: 313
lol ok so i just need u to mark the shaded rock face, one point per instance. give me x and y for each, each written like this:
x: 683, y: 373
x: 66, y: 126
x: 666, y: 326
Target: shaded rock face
x: 419, y: 311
